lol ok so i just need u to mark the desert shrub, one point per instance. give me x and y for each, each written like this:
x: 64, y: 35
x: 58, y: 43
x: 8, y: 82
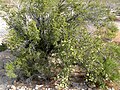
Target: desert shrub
x: 49, y: 35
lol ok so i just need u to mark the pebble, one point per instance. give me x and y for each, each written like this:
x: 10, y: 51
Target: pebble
x: 38, y: 86
x: 89, y: 88
x: 13, y: 87
x: 111, y: 89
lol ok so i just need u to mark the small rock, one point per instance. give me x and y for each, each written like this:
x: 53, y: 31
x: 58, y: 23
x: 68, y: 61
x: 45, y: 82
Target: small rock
x: 82, y: 89
x: 111, y: 89
x: 13, y: 87
x: 89, y: 88
x: 38, y: 86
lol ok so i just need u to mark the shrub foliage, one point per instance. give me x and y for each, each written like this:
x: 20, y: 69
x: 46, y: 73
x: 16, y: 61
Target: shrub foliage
x: 49, y: 35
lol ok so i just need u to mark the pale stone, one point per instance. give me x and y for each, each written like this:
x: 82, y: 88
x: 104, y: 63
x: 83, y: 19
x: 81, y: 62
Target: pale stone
x: 38, y: 86
x: 13, y: 87
x: 89, y: 88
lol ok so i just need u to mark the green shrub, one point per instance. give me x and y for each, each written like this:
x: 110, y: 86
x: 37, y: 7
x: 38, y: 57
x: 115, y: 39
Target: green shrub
x: 49, y: 35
